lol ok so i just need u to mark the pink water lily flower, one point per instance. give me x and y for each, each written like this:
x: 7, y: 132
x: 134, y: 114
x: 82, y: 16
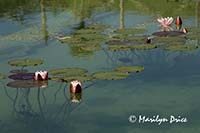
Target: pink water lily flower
x: 41, y: 75
x: 165, y: 23
x: 75, y: 86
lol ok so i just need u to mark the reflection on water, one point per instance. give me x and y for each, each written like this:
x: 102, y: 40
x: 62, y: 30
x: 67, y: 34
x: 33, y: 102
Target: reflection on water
x: 168, y: 85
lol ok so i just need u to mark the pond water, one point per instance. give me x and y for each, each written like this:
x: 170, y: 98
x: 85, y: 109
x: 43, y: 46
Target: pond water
x: 168, y: 85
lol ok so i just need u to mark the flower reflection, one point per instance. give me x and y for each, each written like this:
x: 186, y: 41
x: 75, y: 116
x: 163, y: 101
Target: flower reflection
x: 75, y: 91
x: 165, y: 23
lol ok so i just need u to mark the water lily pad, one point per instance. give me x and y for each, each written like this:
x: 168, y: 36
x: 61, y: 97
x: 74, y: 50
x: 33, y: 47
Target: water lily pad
x: 143, y: 46
x: 112, y: 75
x: 25, y: 62
x: 118, y: 47
x: 19, y: 71
x: 82, y: 78
x: 131, y: 31
x: 130, y: 69
x: 181, y: 47
x: 27, y: 84
x: 169, y: 33
x: 22, y: 76
x: 2, y: 76
x: 68, y: 72
x: 170, y: 40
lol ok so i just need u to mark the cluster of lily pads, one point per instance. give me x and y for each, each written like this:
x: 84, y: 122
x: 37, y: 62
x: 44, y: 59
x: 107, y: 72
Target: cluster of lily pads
x: 22, y: 78
x: 89, y: 39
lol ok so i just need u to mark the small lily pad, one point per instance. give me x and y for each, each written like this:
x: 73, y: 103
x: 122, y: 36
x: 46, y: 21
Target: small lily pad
x: 112, y: 75
x: 181, y: 47
x: 68, y: 72
x: 25, y: 62
x: 130, y: 69
x: 143, y: 46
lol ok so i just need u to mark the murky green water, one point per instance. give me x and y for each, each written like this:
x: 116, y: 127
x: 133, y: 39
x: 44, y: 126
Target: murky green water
x: 169, y: 84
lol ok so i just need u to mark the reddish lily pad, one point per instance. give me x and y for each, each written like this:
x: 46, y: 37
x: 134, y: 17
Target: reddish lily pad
x: 169, y: 33
x: 22, y: 76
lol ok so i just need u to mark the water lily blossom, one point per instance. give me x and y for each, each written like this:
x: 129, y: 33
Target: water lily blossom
x: 75, y: 86
x: 41, y: 75
x: 178, y: 21
x: 165, y: 23
x: 185, y: 30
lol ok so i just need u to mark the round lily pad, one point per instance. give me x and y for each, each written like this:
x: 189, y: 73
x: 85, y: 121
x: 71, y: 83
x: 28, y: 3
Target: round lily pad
x: 143, y: 46
x: 83, y: 78
x: 27, y: 84
x: 118, y: 47
x: 22, y: 76
x: 2, y: 76
x: 19, y: 71
x: 112, y: 75
x: 168, y: 33
x: 131, y: 31
x: 130, y: 68
x: 68, y: 72
x: 25, y: 62
x: 181, y: 47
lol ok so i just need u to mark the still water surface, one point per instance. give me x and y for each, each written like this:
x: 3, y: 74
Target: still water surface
x: 169, y: 85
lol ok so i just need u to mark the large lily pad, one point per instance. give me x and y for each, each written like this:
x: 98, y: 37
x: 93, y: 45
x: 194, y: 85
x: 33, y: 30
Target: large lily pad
x: 68, y: 72
x: 181, y: 47
x: 130, y: 69
x: 112, y: 75
x: 25, y: 62
x: 27, y: 84
x: 169, y: 33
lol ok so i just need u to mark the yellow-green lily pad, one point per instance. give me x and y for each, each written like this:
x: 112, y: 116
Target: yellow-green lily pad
x: 143, y: 46
x: 68, y: 72
x: 118, y: 47
x: 82, y: 78
x: 181, y: 47
x: 130, y: 69
x: 131, y: 31
x: 112, y: 75
x: 25, y: 62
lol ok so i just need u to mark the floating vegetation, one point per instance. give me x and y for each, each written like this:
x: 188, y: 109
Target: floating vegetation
x: 118, y: 47
x: 27, y: 84
x: 2, y: 76
x: 18, y: 71
x: 168, y: 33
x: 128, y: 31
x: 82, y: 78
x: 131, y: 47
x: 67, y: 72
x: 25, y: 62
x: 143, y: 46
x: 22, y: 76
x: 112, y: 75
x: 130, y: 69
x: 170, y: 40
x: 116, y: 40
x: 181, y: 47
